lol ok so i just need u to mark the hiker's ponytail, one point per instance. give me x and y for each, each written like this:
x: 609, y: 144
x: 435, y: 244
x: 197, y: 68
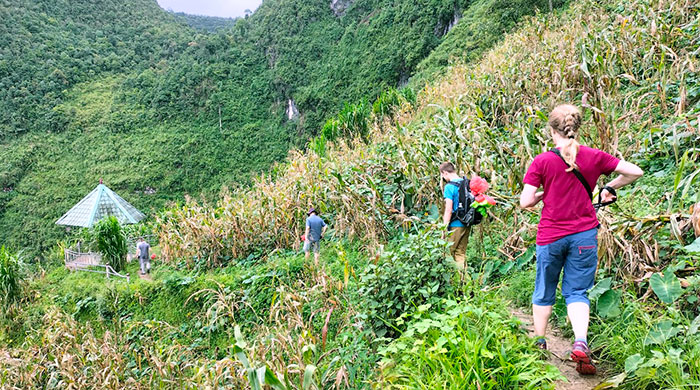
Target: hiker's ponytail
x: 566, y: 120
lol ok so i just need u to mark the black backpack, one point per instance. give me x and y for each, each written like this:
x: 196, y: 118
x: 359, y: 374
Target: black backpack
x: 465, y: 213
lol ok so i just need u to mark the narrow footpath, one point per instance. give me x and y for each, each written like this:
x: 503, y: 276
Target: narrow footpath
x: 559, y: 349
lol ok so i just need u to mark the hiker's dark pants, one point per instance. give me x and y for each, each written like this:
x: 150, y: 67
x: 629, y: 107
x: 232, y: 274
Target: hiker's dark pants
x: 144, y: 262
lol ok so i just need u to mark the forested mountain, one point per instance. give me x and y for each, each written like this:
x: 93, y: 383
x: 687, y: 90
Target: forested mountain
x: 128, y: 92
x: 206, y: 23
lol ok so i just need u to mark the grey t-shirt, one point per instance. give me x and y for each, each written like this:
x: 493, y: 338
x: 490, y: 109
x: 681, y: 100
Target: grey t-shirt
x: 143, y: 248
x: 315, y: 224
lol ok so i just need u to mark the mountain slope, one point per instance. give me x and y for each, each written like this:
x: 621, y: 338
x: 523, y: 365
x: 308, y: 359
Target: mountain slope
x: 127, y: 92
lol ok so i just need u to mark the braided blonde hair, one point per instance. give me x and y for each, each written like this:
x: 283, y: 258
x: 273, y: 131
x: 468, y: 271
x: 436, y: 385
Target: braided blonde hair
x: 565, y: 119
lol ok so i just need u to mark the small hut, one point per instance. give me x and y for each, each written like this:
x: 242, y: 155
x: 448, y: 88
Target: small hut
x: 98, y: 204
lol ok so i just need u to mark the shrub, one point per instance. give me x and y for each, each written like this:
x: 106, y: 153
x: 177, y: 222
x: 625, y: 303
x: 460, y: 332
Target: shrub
x: 111, y: 242
x: 475, y: 345
x: 414, y: 272
x: 10, y: 268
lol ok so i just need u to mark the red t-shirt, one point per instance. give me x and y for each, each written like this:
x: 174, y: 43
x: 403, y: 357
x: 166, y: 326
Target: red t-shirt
x: 567, y: 207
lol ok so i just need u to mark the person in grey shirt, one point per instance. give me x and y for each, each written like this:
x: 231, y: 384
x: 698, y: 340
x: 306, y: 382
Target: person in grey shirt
x: 142, y: 249
x: 315, y: 227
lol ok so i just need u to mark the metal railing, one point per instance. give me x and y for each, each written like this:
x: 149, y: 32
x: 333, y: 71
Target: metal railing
x: 90, y: 262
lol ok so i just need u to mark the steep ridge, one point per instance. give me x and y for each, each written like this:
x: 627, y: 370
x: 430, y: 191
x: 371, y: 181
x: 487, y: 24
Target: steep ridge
x: 127, y: 92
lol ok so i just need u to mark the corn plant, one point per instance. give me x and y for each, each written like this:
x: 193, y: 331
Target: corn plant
x: 110, y: 240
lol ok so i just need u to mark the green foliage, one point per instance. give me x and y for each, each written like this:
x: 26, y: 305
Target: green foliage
x: 469, y: 345
x: 480, y: 25
x: 608, y: 304
x: 694, y: 247
x: 414, y: 271
x: 10, y: 277
x: 206, y: 23
x: 666, y: 286
x: 137, y: 94
x: 110, y: 240
x: 351, y: 122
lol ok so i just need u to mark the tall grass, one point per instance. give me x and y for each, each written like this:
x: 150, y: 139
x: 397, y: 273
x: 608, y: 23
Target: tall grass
x: 10, y: 277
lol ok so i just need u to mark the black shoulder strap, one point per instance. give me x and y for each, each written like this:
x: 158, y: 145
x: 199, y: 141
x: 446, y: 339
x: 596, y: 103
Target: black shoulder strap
x: 578, y: 174
x: 459, y: 186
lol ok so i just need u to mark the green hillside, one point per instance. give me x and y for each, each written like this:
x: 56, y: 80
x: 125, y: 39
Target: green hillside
x: 231, y: 303
x: 127, y: 92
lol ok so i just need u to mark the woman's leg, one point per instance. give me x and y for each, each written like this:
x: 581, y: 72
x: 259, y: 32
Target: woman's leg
x: 550, y: 259
x: 579, y: 275
x: 540, y: 316
x: 578, y: 315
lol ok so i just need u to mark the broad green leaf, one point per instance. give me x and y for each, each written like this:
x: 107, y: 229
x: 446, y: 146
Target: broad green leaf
x: 505, y: 267
x: 308, y: 376
x: 674, y: 354
x: 666, y: 287
x: 253, y: 379
x: 526, y: 257
x: 661, y: 333
x: 689, y: 180
x: 679, y: 171
x: 694, y: 247
x: 633, y: 362
x: 541, y: 115
x: 272, y: 380
x: 694, y: 326
x: 260, y: 374
x: 240, y: 341
x: 240, y: 354
x: 599, y: 289
x: 609, y: 304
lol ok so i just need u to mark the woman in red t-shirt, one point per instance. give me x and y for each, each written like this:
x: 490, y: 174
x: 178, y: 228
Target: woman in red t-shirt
x: 567, y: 233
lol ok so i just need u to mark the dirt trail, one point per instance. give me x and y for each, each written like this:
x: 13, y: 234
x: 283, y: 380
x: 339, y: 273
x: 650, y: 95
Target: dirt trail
x: 559, y: 349
x: 145, y: 276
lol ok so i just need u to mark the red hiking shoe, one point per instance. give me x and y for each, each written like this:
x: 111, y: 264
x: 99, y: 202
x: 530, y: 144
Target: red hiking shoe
x: 582, y: 356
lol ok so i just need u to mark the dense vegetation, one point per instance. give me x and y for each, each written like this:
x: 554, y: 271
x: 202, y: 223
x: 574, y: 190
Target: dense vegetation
x: 233, y: 306
x: 128, y: 92
x: 206, y: 23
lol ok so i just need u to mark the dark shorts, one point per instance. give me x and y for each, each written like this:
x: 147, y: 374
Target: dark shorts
x: 577, y: 255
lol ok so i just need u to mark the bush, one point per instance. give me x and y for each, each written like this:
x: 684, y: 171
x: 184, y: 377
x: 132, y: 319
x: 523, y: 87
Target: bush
x: 475, y: 345
x: 111, y: 242
x: 10, y: 268
x: 413, y: 273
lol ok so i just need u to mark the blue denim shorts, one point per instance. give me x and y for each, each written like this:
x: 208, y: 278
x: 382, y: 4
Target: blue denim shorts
x: 577, y: 255
x: 313, y: 246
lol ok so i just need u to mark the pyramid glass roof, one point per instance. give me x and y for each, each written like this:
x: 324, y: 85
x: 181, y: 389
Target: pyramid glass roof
x: 100, y: 203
